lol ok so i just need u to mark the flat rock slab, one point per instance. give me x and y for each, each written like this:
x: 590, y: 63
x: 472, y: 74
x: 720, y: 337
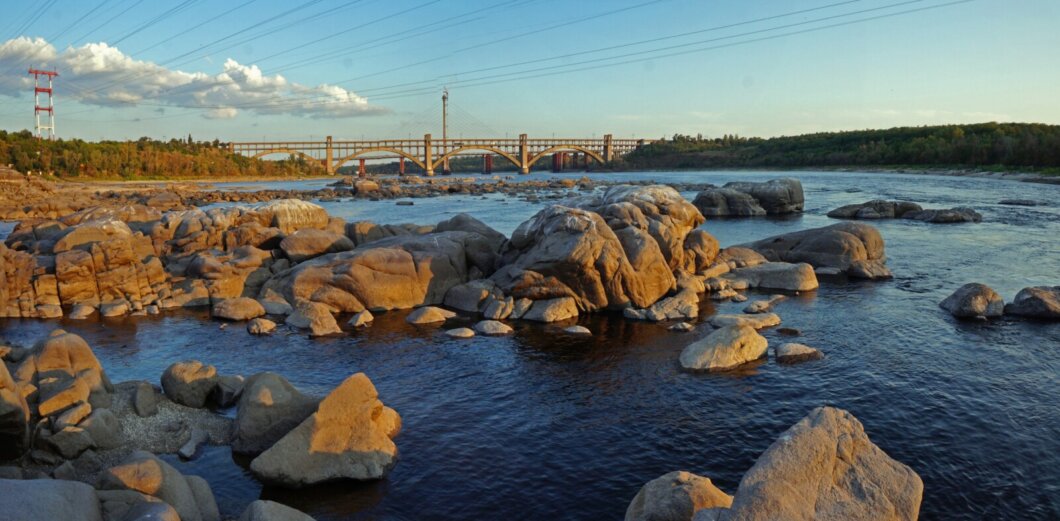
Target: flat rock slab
x: 758, y: 321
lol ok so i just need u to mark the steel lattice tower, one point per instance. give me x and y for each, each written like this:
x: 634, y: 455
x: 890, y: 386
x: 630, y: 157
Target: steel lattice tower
x: 37, y: 108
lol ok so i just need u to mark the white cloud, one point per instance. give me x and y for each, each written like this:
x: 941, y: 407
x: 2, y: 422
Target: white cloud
x: 98, y: 74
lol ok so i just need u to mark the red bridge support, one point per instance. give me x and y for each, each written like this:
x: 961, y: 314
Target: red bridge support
x: 487, y: 164
x: 362, y: 170
x: 401, y: 165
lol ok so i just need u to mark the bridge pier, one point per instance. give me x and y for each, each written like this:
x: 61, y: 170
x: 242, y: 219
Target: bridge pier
x: 401, y: 166
x: 524, y: 155
x: 487, y: 163
x: 329, y: 158
x: 428, y: 153
x: 362, y: 169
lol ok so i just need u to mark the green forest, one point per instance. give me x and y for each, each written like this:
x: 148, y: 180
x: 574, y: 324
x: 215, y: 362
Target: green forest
x: 141, y: 159
x: 985, y: 146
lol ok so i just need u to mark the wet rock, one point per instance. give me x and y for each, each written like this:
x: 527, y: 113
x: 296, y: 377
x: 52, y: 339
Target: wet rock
x: 520, y: 307
x: 788, y: 331
x: 682, y: 327
x: 429, y: 315
x: 492, y: 328
x: 683, y: 305
x: 953, y: 215
x: 635, y: 314
x: 675, y: 496
x: 855, y: 248
x: 189, y: 383
x: 348, y: 437
x: 460, y: 332
x: 145, y: 473
x: 823, y: 468
x: 238, y: 309
x: 757, y: 321
x: 1018, y: 202
x: 974, y: 300
x: 724, y: 349
x: 81, y: 312
x: 774, y: 197
x: 314, y: 317
x: 308, y: 243
x: 262, y: 510
x: 274, y: 303
x: 877, y: 209
x: 268, y: 409
x: 577, y: 330
x: 791, y: 353
x: 361, y: 319
x: 14, y: 417
x: 48, y: 499
x: 552, y: 310
x: 261, y: 326
x: 1036, y: 302
x: 191, y: 447
x: 498, y: 307
x: 763, y: 306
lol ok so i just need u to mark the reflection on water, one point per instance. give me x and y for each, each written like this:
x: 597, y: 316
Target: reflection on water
x: 543, y: 425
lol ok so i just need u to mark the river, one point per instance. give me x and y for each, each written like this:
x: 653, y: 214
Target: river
x: 545, y: 426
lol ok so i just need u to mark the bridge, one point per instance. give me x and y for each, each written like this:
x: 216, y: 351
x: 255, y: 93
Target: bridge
x: 431, y: 154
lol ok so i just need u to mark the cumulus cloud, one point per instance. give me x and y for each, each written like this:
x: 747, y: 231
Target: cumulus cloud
x: 98, y: 74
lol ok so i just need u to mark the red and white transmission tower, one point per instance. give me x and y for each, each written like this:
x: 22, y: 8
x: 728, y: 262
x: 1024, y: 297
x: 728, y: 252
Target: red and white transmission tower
x: 50, y: 109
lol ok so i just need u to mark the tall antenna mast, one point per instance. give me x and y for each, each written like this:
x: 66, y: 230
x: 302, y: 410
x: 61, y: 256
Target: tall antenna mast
x: 445, y: 129
x: 37, y: 108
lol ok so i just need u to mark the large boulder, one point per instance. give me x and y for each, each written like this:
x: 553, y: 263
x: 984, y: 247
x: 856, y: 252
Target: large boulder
x: 143, y: 472
x: 725, y: 348
x: 743, y: 198
x: 348, y: 437
x: 570, y: 252
x: 1036, y: 302
x: 290, y: 215
x: 675, y: 496
x: 974, y: 300
x: 264, y: 510
x: 14, y: 417
x: 308, y: 243
x: 314, y: 317
x: 40, y: 499
x: 189, y: 383
x: 268, y: 409
x: 855, y: 248
x: 239, y: 308
x: 776, y: 275
x: 727, y: 202
x: 826, y: 468
x: 398, y: 272
x: 60, y: 373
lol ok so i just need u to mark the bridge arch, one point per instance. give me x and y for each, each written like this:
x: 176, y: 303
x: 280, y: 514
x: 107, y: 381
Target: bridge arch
x: 485, y: 148
x: 343, y: 160
x: 565, y: 148
x: 288, y: 151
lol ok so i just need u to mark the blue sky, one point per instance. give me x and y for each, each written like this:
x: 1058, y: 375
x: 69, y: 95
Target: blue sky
x: 253, y: 69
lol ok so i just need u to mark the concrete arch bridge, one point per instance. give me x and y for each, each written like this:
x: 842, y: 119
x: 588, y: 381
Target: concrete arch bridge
x: 434, y: 154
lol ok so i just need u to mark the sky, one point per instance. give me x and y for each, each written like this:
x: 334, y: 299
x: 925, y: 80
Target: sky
x: 239, y: 70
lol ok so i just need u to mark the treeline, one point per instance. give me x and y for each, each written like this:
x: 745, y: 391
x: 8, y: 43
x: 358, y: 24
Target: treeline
x: 141, y: 159
x: 1017, y: 145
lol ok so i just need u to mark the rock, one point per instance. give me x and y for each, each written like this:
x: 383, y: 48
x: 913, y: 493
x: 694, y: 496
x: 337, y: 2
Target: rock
x: 364, y: 186
x: 14, y: 417
x: 143, y: 472
x: 564, y: 252
x: 492, y: 328
x: 791, y: 353
x: 776, y: 275
x: 726, y: 202
x: 777, y: 196
x: 825, y: 467
x: 684, y: 305
x: 315, y: 317
x: 71, y: 442
x: 151, y: 511
x: 274, y: 303
x: 429, y: 315
x: 81, y: 312
x: 145, y: 400
x: 497, y: 308
x: 130, y: 505
x: 676, y: 496
x: 552, y: 310
x: 239, y: 308
x: 469, y: 295
x: 788, y: 331
x: 577, y: 330
x: 520, y: 307
x: 104, y: 428
x: 261, y: 326
x: 974, y: 300
x: 348, y: 437
x: 758, y: 321
x: 262, y: 510
x: 682, y: 327
x: 953, y: 215
x: 701, y: 250
x: 1018, y: 202
x: 1036, y: 302
x: 868, y: 269
x: 191, y: 447
x: 460, y: 332
x: 876, y: 209
x: 64, y: 372
x: 290, y: 215
x: 227, y: 391
x: 71, y: 417
x: 189, y: 383
x: 763, y: 306
x: 840, y: 246
x: 635, y: 314
x: 48, y: 499
x: 361, y: 319
x: 268, y: 409
x: 308, y: 243
x: 724, y: 349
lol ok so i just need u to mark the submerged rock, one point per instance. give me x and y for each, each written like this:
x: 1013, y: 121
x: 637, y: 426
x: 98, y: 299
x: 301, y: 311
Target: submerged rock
x: 1037, y: 302
x: 725, y: 348
x: 429, y: 315
x: 974, y: 300
x: 791, y: 353
x: 348, y: 437
x: 675, y: 496
x: 825, y: 467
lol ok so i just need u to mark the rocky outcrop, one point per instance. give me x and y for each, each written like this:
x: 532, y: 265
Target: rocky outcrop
x: 825, y: 467
x: 725, y: 348
x: 348, y: 437
x: 974, y: 300
x: 143, y: 472
x: 269, y: 408
x: 309, y: 243
x: 60, y: 373
x: 879, y: 209
x: 854, y: 248
x: 675, y: 496
x: 742, y: 199
x: 1036, y: 302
